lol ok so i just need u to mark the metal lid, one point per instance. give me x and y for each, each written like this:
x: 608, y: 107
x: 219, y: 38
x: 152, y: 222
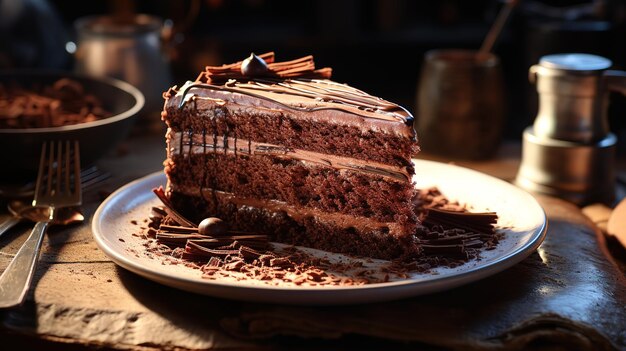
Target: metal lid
x: 575, y: 62
x: 108, y: 26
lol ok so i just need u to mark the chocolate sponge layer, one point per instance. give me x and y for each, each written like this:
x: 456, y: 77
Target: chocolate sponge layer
x: 280, y: 128
x: 306, y: 231
x: 298, y: 184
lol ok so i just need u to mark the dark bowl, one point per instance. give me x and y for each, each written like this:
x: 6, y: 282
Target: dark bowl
x: 20, y: 148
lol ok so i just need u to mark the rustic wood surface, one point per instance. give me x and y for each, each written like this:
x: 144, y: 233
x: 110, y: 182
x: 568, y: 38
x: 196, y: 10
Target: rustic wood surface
x: 569, y: 293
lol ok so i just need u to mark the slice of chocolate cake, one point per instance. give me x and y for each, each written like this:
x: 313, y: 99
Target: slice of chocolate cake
x: 278, y: 148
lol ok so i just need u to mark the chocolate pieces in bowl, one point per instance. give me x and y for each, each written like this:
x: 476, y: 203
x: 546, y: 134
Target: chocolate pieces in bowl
x: 55, y: 105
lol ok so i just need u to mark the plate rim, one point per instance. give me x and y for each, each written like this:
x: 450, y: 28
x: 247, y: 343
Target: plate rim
x: 476, y: 273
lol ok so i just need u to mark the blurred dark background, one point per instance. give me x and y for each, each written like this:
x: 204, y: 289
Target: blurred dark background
x: 375, y: 45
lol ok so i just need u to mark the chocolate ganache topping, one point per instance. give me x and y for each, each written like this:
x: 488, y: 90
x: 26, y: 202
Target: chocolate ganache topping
x: 299, y: 78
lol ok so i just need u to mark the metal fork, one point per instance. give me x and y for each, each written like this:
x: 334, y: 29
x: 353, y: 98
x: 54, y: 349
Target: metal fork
x: 55, y: 189
x: 89, y: 178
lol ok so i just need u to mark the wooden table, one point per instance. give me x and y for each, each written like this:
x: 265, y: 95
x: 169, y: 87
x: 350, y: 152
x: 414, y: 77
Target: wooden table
x: 571, y: 294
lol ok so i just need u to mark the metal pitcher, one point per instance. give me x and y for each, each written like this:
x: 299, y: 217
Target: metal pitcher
x: 569, y: 150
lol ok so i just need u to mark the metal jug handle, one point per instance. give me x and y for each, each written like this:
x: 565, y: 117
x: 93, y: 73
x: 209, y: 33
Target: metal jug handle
x: 532, y: 74
x: 615, y: 80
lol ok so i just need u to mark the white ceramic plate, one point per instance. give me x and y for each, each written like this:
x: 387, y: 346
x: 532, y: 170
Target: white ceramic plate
x: 518, y: 212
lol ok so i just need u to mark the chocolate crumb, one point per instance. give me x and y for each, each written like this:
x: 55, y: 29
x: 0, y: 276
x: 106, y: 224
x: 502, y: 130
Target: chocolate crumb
x: 234, y: 266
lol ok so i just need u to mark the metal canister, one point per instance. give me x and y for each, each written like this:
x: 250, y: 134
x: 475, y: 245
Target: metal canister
x: 460, y: 110
x: 569, y: 150
x: 128, y: 49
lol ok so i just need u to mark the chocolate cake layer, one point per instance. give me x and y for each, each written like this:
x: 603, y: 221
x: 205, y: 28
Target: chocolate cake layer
x: 306, y: 230
x: 190, y: 143
x: 297, y: 183
x: 331, y: 132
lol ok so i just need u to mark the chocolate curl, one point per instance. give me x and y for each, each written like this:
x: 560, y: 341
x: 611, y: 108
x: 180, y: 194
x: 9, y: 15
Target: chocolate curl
x: 176, y: 240
x: 248, y: 253
x: 195, y: 252
x: 482, y: 222
x: 160, y: 193
x: 454, y: 245
x: 303, y: 67
x: 257, y: 242
x: 199, y: 250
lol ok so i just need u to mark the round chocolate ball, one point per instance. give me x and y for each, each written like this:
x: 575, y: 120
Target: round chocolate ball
x: 213, y: 226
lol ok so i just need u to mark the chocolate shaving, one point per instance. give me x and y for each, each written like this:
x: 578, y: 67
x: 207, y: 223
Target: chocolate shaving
x: 477, y: 222
x: 176, y: 240
x: 248, y: 253
x: 195, y: 252
x: 175, y: 236
x: 280, y: 262
x: 235, y: 266
x: 214, y: 262
x: 177, y: 229
x: 169, y: 208
x: 254, y: 242
x: 437, y: 211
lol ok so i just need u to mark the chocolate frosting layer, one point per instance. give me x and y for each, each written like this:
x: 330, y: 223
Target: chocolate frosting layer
x: 328, y: 95
x: 294, y: 86
x: 239, y: 101
x: 188, y: 143
x: 297, y: 213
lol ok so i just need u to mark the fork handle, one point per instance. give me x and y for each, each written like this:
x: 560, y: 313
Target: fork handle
x: 7, y: 222
x: 16, y: 279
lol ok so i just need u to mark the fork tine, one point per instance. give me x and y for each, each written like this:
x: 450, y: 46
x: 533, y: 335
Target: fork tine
x: 66, y: 169
x: 59, y: 178
x: 48, y: 189
x: 59, y: 168
x: 77, y: 186
x: 40, y: 174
